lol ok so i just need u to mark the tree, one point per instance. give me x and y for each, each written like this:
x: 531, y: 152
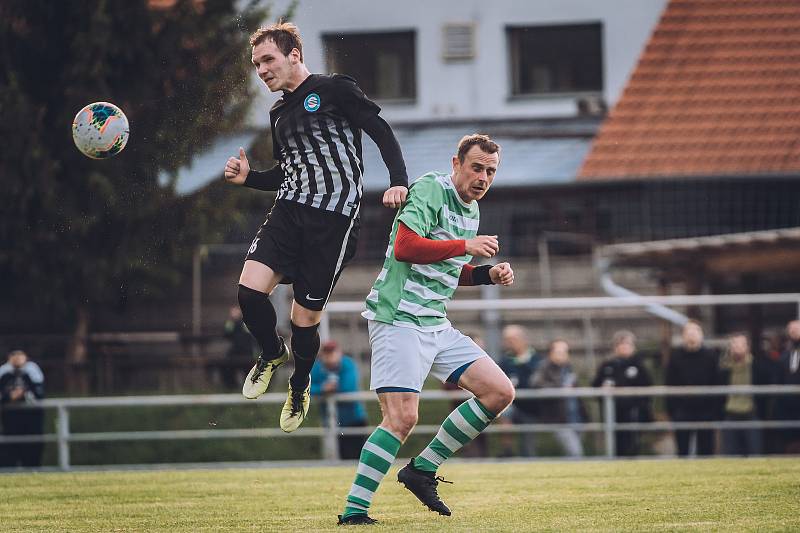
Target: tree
x: 78, y: 234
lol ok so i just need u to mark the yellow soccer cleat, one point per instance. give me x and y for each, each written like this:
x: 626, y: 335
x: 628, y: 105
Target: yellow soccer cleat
x: 295, y: 409
x: 257, y: 380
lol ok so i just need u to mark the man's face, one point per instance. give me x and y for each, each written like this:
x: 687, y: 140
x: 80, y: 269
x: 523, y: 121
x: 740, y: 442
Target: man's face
x: 17, y: 359
x: 514, y: 340
x: 559, y: 353
x: 474, y: 176
x: 793, y: 330
x: 274, y: 68
x: 625, y: 348
x: 331, y: 358
x: 692, y: 336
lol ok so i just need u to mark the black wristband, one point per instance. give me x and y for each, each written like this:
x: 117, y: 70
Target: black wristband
x: 265, y: 180
x: 480, y: 275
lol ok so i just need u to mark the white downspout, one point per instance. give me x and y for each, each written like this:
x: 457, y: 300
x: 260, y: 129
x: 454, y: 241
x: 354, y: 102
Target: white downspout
x: 602, y: 265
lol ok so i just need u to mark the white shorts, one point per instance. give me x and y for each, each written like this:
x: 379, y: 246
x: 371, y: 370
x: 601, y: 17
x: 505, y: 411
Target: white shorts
x: 403, y: 357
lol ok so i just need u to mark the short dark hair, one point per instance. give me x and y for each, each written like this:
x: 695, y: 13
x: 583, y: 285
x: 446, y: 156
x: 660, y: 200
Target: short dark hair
x: 476, y: 139
x: 285, y: 35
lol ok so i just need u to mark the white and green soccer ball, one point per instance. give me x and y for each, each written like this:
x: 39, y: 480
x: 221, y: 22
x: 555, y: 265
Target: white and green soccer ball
x: 100, y: 130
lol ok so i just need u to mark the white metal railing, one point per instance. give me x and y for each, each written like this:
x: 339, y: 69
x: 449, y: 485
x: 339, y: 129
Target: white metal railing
x: 329, y: 433
x: 595, y: 302
x: 581, y: 303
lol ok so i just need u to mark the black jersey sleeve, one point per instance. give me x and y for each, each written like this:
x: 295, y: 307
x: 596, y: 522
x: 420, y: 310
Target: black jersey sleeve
x: 265, y: 180
x: 363, y: 113
x: 392, y: 155
x: 352, y: 100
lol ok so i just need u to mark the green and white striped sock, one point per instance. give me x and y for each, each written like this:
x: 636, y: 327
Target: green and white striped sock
x: 461, y: 426
x: 377, y: 456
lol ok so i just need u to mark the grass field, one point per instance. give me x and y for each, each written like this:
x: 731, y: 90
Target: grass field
x: 660, y: 495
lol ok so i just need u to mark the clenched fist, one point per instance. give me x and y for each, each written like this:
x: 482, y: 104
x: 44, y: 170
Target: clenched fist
x: 501, y: 274
x: 483, y: 246
x: 394, y: 197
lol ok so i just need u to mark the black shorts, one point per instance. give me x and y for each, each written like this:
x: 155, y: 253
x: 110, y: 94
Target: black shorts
x: 309, y: 246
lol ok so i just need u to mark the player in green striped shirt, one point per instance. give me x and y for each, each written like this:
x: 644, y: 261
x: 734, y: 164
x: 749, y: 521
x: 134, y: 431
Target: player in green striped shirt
x: 433, y: 239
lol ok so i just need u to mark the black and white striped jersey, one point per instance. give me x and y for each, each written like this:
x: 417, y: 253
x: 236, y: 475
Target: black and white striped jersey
x: 316, y: 135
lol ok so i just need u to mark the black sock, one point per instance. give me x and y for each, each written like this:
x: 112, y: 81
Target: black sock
x: 305, y: 345
x: 260, y: 318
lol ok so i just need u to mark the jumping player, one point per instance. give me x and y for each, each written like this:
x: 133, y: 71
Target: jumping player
x: 310, y: 234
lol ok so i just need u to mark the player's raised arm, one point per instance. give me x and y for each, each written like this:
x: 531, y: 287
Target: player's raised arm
x: 364, y: 114
x: 392, y: 155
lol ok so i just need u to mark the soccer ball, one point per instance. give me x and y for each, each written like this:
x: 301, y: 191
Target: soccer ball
x: 100, y: 130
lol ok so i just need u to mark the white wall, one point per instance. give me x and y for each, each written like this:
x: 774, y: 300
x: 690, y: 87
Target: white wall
x: 479, y: 88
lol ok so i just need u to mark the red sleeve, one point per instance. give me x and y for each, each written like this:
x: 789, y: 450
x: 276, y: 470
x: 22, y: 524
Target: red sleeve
x: 411, y: 248
x: 465, y: 278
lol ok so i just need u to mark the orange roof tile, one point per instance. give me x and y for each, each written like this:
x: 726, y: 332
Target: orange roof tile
x: 716, y: 92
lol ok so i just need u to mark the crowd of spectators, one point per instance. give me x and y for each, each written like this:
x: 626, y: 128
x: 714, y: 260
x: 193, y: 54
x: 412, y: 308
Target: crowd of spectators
x: 691, y: 363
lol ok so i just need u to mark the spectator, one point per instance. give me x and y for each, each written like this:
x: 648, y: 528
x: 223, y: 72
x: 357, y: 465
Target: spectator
x: 556, y: 372
x: 739, y: 367
x: 693, y: 364
x: 242, y: 346
x: 21, y: 382
x: 767, y: 360
x: 335, y: 372
x: 519, y: 362
x: 479, y: 446
x: 788, y: 406
x: 626, y: 369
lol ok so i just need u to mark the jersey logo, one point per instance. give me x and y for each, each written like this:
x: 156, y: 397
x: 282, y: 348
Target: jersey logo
x: 308, y: 297
x: 312, y: 102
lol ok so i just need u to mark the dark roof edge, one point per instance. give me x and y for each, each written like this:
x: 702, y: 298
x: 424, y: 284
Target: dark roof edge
x: 571, y: 126
x: 691, y: 177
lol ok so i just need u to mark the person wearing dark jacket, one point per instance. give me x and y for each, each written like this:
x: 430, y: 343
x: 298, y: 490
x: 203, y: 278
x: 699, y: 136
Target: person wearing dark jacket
x: 787, y: 406
x: 626, y: 369
x: 21, y: 382
x: 693, y: 364
x: 519, y: 363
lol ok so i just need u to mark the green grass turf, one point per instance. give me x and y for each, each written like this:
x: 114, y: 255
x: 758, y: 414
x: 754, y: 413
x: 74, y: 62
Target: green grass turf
x: 660, y: 495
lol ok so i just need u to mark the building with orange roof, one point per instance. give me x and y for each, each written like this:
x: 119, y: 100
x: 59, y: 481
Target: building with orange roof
x: 705, y: 144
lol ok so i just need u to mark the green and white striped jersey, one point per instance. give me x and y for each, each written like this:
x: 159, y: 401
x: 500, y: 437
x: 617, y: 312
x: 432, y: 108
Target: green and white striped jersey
x: 416, y: 296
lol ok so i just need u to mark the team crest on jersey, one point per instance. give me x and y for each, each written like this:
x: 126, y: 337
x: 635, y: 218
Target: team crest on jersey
x: 312, y: 102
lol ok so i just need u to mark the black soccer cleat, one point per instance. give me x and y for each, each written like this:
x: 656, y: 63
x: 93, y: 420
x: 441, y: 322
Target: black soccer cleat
x: 423, y: 485
x: 356, y: 520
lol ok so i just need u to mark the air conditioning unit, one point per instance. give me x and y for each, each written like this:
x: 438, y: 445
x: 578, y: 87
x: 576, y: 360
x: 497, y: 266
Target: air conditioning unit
x: 459, y: 41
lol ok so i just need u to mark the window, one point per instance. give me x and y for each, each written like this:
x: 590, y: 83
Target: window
x: 556, y: 59
x: 383, y: 64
